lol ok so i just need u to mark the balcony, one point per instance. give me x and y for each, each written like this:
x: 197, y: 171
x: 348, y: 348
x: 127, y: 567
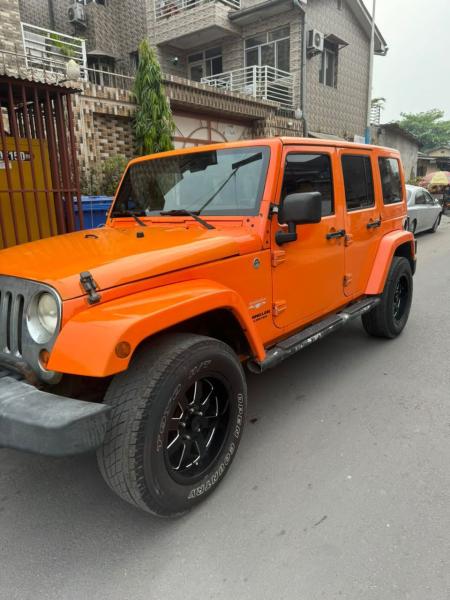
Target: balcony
x: 50, y: 51
x: 187, y: 24
x: 263, y: 83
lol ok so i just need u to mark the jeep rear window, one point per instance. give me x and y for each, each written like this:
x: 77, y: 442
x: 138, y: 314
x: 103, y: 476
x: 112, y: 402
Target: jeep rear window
x: 358, y: 182
x: 390, y: 180
x: 216, y: 182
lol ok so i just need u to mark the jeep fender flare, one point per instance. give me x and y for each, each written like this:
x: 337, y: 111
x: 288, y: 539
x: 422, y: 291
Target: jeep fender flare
x: 389, y: 246
x: 87, y: 343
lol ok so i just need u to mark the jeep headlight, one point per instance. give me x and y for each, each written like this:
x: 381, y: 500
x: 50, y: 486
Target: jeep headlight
x: 42, y: 318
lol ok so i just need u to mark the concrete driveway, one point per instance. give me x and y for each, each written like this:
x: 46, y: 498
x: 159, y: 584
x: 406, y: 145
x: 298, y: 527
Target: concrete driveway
x: 340, y: 488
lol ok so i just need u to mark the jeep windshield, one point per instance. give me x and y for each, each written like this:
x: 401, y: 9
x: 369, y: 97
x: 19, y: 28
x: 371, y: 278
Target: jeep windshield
x: 216, y: 182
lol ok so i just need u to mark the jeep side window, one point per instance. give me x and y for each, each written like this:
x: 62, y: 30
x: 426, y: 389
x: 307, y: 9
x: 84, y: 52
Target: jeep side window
x: 309, y: 173
x: 358, y: 182
x: 390, y: 180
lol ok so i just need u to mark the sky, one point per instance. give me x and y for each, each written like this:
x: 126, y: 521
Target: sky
x: 414, y: 76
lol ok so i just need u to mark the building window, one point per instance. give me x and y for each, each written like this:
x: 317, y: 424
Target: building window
x: 329, y: 67
x: 205, y: 63
x: 358, y: 182
x: 270, y: 49
x: 339, y: 4
x: 134, y: 60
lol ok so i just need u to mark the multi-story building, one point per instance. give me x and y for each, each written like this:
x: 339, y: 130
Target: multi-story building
x: 233, y: 68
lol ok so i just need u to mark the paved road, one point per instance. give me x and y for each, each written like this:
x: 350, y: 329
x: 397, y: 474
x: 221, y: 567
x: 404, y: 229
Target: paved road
x: 340, y: 489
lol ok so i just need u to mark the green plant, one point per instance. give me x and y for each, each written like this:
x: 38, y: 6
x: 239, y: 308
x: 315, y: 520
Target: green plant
x: 65, y: 48
x: 112, y: 170
x: 153, y: 124
x: 428, y: 127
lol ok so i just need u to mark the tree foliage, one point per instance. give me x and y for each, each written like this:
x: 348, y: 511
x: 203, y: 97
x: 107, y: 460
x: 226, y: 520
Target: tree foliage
x: 429, y: 127
x: 153, y: 123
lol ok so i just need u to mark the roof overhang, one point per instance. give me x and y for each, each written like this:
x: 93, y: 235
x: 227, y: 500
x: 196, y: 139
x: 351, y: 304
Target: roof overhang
x: 364, y: 18
x: 262, y: 10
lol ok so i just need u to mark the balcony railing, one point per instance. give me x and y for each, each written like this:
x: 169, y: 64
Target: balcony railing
x: 264, y: 83
x: 50, y: 50
x: 109, y: 79
x: 167, y: 8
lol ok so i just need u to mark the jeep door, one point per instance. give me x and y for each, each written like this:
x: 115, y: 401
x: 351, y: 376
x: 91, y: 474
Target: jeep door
x: 308, y: 273
x: 362, y: 218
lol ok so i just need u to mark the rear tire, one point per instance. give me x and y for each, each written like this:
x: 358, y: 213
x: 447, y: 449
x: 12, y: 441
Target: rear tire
x: 390, y: 316
x: 177, y: 419
x: 413, y: 226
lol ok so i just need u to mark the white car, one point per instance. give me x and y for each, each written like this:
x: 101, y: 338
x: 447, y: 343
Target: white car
x: 424, y: 212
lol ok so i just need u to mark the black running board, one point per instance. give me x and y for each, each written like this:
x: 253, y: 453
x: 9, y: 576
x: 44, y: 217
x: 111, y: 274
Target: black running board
x: 311, y: 334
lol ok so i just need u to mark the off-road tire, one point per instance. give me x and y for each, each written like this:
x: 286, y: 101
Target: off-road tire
x: 383, y: 320
x: 134, y: 459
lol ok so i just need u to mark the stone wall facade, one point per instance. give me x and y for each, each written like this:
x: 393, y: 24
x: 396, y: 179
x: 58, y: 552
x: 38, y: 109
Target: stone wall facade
x: 114, y: 29
x: 10, y: 31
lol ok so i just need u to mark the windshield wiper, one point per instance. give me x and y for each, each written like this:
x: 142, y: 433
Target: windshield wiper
x: 181, y: 212
x: 130, y: 213
x: 235, y: 166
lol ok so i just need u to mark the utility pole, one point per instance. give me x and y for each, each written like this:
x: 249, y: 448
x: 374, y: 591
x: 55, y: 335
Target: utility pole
x: 369, y: 95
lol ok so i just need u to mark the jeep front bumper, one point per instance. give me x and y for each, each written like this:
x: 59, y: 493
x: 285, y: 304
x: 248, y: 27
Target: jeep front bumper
x: 44, y: 423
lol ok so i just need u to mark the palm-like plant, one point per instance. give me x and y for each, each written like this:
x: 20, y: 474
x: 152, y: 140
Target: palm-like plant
x: 153, y: 123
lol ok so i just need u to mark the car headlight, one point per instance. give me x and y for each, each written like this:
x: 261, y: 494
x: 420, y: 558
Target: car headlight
x: 42, y: 318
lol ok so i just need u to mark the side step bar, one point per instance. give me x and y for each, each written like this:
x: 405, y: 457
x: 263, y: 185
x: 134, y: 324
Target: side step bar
x: 311, y: 334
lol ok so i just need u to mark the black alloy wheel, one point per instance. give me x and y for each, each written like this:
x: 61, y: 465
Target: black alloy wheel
x: 401, y: 296
x: 197, y: 429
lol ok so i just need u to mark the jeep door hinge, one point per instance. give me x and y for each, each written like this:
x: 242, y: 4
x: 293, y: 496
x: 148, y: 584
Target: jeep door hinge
x: 90, y: 287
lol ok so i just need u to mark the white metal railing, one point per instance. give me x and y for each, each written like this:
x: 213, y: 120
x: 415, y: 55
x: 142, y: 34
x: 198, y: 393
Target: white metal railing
x: 110, y: 79
x: 262, y: 82
x: 167, y: 8
x: 50, y: 50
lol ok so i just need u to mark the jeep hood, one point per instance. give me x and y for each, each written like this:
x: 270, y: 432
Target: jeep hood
x: 118, y: 256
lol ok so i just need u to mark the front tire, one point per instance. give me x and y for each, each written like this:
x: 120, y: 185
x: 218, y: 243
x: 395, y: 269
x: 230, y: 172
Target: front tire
x: 390, y: 316
x: 436, y: 225
x: 177, y: 419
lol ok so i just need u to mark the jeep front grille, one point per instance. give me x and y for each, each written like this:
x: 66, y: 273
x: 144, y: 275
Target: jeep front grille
x: 11, y: 322
x: 18, y: 350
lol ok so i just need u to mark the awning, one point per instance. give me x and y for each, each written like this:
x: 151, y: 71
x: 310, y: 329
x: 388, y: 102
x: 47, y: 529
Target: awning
x: 337, y: 41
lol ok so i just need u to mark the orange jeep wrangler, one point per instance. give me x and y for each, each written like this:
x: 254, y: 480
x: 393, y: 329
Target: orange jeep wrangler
x: 131, y: 339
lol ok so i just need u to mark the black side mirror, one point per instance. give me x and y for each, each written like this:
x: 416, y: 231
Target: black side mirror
x: 298, y: 209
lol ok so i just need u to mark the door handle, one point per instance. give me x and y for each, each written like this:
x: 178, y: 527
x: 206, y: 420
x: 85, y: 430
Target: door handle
x: 374, y: 224
x: 335, y: 234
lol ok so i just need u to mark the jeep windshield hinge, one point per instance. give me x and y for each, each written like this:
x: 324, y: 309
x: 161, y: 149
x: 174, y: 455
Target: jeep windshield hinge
x: 90, y: 287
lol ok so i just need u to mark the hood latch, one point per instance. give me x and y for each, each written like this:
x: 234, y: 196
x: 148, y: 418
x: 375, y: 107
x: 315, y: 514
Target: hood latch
x: 88, y: 284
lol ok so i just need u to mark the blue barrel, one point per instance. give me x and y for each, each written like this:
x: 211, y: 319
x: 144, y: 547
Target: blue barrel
x: 94, y: 211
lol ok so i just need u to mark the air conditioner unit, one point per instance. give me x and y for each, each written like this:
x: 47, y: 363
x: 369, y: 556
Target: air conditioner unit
x: 77, y: 14
x: 315, y: 41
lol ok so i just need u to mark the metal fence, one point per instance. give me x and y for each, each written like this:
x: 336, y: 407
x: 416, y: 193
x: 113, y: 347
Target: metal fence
x: 39, y: 183
x: 262, y: 82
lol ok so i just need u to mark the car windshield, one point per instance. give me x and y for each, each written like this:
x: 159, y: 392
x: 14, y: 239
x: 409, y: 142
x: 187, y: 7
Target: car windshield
x: 216, y: 182
x: 409, y: 195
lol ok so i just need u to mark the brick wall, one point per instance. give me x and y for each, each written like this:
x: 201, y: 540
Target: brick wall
x: 115, y: 29
x: 341, y: 111
x: 10, y: 30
